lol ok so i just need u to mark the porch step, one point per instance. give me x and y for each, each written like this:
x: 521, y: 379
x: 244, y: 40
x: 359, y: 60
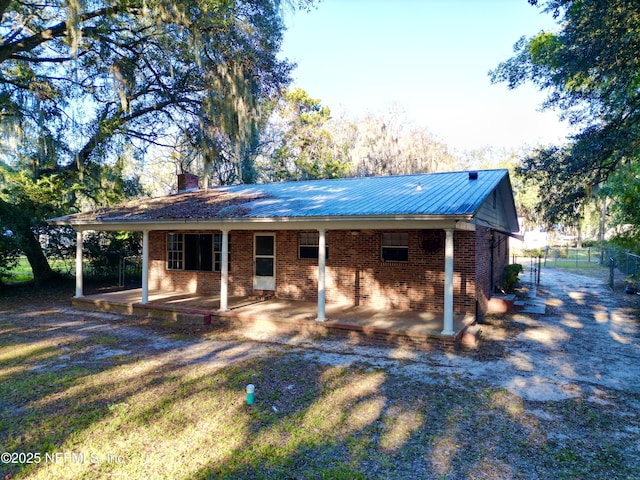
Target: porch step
x: 536, y: 306
x: 501, y: 303
x: 518, y: 305
x: 471, y: 336
x: 263, y: 320
x: 181, y: 315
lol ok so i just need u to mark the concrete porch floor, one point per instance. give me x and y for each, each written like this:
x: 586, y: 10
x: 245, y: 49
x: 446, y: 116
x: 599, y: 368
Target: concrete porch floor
x: 284, y: 315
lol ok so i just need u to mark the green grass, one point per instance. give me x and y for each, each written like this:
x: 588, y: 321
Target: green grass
x: 582, y: 268
x: 585, y: 264
x: 22, y: 272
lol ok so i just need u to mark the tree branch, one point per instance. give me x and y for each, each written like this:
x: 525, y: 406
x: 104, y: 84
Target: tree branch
x: 40, y: 59
x: 7, y: 51
x: 100, y: 135
x: 4, y: 4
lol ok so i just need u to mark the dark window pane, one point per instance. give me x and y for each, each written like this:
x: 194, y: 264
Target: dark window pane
x: 264, y: 267
x: 206, y: 253
x: 264, y: 245
x: 191, y: 252
x: 198, y: 254
x: 395, y: 254
x: 308, y: 252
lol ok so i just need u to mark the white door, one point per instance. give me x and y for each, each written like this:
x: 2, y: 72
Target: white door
x: 264, y: 262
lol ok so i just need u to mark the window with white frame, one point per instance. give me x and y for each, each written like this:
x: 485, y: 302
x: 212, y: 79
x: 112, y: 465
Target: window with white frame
x: 395, y: 247
x: 217, y: 252
x: 308, y: 245
x: 175, y: 257
x: 194, y: 251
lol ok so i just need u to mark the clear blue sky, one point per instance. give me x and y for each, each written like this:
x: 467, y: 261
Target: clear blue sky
x: 429, y: 57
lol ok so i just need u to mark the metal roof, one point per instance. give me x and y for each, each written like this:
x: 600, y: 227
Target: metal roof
x: 431, y: 195
x: 424, y: 194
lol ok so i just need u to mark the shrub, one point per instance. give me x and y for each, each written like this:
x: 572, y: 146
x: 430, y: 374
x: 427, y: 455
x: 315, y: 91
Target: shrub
x: 511, y: 273
x: 9, y: 253
x: 535, y: 252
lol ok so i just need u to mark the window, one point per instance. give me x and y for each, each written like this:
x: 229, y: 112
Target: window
x: 395, y: 247
x: 200, y: 252
x: 174, y: 251
x: 217, y: 252
x: 308, y: 245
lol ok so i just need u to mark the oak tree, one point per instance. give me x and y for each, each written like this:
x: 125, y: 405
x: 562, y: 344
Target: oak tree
x: 84, y: 83
x: 591, y: 69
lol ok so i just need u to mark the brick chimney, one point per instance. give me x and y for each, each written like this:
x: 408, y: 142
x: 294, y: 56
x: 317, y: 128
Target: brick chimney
x: 187, y: 182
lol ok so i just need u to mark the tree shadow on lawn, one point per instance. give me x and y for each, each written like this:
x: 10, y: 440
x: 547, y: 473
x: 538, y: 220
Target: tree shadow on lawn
x: 149, y: 415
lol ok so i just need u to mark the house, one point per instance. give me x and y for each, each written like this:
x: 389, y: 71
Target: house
x: 427, y: 242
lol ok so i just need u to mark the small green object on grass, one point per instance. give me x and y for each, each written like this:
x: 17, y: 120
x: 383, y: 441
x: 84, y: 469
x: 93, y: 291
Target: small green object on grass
x: 250, y: 393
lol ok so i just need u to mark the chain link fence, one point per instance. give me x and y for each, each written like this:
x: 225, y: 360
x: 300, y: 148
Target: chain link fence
x: 130, y: 271
x: 619, y: 267
x: 628, y: 264
x: 127, y: 271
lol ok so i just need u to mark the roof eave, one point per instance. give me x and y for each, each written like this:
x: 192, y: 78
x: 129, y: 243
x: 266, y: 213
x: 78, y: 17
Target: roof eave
x: 333, y: 222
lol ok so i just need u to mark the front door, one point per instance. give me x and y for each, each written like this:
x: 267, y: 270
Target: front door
x: 264, y: 261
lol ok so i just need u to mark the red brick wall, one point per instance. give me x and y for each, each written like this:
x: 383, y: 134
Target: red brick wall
x: 162, y: 279
x: 483, y: 268
x: 355, y: 273
x: 484, y: 238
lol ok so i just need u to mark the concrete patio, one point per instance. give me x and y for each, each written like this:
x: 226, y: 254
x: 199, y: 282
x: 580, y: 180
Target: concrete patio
x: 421, y: 329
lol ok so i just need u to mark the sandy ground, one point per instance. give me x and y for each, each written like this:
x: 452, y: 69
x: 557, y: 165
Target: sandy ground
x: 586, y: 347
x: 587, y: 343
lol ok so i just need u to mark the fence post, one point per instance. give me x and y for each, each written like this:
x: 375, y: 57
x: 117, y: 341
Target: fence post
x: 612, y: 266
x: 121, y: 267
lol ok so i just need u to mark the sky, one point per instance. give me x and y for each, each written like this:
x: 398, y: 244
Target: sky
x: 430, y: 59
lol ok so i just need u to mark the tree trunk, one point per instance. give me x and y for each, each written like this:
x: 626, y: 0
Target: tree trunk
x: 42, y: 271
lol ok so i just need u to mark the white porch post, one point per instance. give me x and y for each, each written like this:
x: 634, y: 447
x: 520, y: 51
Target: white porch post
x: 79, y: 264
x: 224, y: 272
x: 145, y: 267
x: 448, y: 283
x: 322, y: 261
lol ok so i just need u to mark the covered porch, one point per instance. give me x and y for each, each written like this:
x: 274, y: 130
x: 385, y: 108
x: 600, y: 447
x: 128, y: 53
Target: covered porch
x: 269, y: 314
x: 445, y: 324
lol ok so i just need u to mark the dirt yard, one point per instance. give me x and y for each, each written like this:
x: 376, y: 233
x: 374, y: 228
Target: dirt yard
x: 545, y: 396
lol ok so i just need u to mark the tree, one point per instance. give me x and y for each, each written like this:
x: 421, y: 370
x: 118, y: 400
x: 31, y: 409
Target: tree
x: 82, y: 82
x: 302, y: 147
x: 590, y: 67
x: 24, y: 204
x: 526, y: 192
x: 624, y: 186
x: 388, y: 145
x: 305, y: 142
x: 9, y: 251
